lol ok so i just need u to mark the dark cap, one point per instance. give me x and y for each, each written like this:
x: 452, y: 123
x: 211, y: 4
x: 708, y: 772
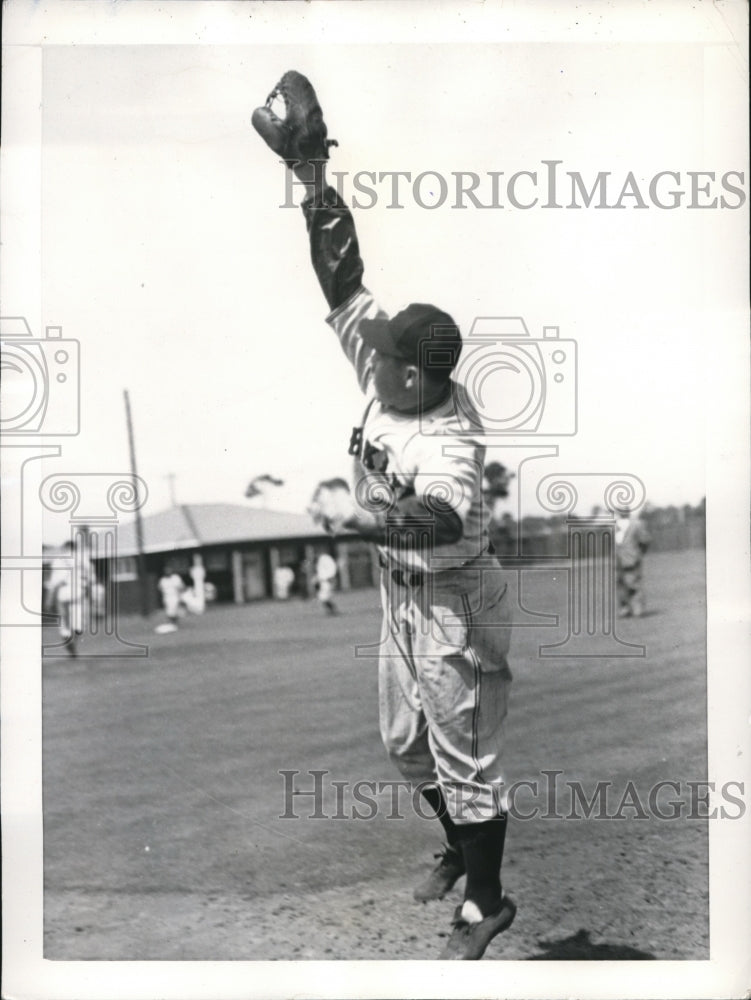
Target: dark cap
x: 422, y: 334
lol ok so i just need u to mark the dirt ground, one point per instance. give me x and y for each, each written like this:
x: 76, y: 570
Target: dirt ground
x: 163, y: 793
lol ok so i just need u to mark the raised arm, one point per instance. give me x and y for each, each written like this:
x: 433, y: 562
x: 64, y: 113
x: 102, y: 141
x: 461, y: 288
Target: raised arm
x: 301, y: 140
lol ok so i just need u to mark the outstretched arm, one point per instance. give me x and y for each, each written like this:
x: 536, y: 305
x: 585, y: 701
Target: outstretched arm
x: 403, y: 521
x: 301, y: 139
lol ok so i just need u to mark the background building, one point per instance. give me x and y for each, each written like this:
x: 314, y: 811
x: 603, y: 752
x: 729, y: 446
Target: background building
x: 241, y: 548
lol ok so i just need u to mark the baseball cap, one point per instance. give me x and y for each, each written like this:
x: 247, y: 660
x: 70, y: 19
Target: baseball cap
x: 421, y: 333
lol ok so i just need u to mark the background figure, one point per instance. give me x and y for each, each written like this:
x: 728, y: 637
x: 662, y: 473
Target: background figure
x: 631, y: 542
x: 303, y: 573
x: 171, y: 588
x: 68, y: 590
x: 284, y: 578
x: 195, y: 598
x: 326, y: 570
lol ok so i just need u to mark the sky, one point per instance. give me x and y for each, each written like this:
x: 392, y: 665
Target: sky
x: 168, y: 251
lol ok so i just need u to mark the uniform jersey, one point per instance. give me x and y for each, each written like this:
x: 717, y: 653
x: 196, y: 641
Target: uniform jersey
x: 71, y: 578
x: 171, y: 588
x: 433, y: 454
x: 326, y: 568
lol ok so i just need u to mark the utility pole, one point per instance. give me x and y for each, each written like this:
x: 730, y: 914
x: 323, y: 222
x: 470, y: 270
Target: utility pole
x: 143, y: 584
x: 171, y: 477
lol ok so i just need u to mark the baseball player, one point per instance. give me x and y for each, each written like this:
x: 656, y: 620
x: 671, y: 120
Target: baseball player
x: 197, y: 574
x: 631, y: 542
x: 171, y: 587
x: 326, y: 571
x: 417, y: 494
x: 69, y: 587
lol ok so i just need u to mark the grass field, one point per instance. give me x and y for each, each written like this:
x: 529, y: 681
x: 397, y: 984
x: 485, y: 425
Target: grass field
x: 162, y: 792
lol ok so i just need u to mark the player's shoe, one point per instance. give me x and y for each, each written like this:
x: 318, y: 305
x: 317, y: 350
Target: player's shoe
x: 469, y: 941
x: 444, y: 876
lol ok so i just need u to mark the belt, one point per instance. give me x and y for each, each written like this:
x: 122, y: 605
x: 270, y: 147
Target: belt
x: 405, y: 578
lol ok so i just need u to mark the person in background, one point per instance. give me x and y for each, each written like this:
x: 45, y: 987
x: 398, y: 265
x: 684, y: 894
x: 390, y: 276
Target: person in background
x: 198, y: 581
x: 171, y: 588
x: 326, y: 570
x: 71, y: 582
x: 284, y: 578
x: 631, y: 543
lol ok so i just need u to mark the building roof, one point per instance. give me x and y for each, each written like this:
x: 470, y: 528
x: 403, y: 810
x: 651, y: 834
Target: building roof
x: 194, y: 525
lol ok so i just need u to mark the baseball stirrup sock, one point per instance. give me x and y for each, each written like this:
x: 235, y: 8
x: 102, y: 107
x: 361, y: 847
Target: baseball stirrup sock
x: 434, y: 797
x: 482, y: 847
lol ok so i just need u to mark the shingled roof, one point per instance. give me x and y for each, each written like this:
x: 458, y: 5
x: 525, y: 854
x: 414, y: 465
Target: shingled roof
x: 194, y: 525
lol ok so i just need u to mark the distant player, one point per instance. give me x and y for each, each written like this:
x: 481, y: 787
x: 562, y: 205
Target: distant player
x: 324, y: 579
x: 198, y: 585
x: 417, y: 494
x: 171, y: 587
x: 70, y: 587
x: 632, y: 540
x: 284, y: 578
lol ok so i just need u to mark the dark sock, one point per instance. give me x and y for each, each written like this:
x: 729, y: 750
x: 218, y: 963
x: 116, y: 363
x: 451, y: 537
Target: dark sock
x: 482, y: 846
x: 434, y: 797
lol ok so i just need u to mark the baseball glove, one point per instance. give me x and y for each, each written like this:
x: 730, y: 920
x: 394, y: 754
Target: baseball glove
x: 302, y: 135
x: 331, y: 504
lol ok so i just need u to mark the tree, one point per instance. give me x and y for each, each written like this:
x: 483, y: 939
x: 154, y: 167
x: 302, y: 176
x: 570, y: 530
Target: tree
x: 259, y: 486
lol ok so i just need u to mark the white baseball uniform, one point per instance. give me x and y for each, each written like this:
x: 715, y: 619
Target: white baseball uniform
x: 326, y: 570
x: 443, y: 672
x: 69, y: 585
x: 171, y: 588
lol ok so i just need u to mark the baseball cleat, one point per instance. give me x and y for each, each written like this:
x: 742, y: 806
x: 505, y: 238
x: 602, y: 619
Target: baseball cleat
x: 469, y: 941
x: 444, y: 876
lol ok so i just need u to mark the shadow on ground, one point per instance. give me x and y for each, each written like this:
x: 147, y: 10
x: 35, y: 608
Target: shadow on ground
x: 578, y: 947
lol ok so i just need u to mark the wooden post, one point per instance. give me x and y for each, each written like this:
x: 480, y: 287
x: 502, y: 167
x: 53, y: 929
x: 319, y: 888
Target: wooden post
x: 375, y: 567
x: 273, y: 566
x: 238, y: 589
x: 310, y: 562
x: 342, y: 561
x: 143, y: 583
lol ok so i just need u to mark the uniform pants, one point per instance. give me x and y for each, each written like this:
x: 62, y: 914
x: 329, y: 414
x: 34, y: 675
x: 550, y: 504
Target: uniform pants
x: 444, y: 684
x: 630, y: 588
x: 71, y: 614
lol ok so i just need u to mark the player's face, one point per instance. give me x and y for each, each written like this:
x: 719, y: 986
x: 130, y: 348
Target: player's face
x: 392, y: 383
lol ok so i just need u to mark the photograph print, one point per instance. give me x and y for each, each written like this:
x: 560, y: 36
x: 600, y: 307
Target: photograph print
x: 375, y: 487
